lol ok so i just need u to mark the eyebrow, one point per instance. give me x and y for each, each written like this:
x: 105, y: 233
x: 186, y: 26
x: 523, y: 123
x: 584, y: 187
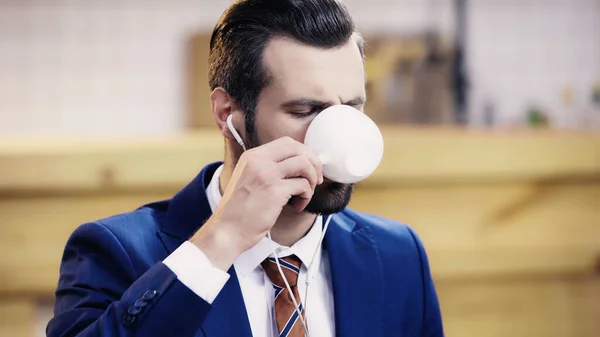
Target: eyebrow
x: 316, y: 103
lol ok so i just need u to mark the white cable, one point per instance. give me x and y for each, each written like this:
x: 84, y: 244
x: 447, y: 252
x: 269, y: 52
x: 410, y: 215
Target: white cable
x: 287, y: 285
x: 309, y: 275
x: 236, y: 135
x: 310, y: 272
x: 238, y: 138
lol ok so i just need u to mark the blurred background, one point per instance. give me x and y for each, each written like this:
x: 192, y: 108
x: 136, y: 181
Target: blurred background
x: 490, y: 111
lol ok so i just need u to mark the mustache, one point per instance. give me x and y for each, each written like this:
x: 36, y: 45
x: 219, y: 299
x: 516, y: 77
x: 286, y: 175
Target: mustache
x: 332, y: 185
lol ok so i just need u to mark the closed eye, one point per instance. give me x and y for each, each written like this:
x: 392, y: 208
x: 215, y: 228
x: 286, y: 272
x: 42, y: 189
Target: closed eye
x: 306, y: 113
x: 302, y: 108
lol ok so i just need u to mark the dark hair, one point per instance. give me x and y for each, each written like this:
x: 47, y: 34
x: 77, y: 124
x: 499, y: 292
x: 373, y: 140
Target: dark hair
x: 241, y: 34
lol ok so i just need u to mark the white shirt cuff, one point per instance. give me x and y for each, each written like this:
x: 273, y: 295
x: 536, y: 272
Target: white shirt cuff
x: 195, y: 271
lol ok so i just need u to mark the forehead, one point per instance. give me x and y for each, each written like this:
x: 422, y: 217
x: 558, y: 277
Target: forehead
x: 299, y: 70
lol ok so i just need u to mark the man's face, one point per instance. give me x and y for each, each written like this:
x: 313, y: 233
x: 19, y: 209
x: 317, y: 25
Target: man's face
x: 306, y: 80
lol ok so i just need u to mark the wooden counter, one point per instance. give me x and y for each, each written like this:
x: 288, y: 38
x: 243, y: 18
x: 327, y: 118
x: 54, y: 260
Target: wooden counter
x: 510, y: 219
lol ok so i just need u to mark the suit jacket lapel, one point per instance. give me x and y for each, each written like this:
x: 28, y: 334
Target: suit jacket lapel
x: 356, y: 277
x: 169, y: 242
x: 186, y: 212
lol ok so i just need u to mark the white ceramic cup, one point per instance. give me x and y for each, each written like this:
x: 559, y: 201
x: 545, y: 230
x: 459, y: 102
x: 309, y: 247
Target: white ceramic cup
x: 348, y: 143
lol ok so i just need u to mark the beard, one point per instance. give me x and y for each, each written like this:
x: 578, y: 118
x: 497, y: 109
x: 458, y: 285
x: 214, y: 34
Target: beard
x: 328, y: 198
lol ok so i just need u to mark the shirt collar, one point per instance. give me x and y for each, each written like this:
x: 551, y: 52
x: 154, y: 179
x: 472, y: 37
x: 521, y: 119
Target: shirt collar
x: 253, y: 257
x: 213, y: 191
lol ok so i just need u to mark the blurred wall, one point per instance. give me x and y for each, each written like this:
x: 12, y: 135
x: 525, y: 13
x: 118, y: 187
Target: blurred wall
x: 101, y: 67
x: 117, y: 67
x: 528, y: 52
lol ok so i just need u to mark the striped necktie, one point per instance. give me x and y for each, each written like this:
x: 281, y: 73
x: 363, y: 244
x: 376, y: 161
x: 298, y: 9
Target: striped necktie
x: 288, y: 322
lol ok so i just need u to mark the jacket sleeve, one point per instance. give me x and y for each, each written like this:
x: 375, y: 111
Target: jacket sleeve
x: 432, y: 316
x: 100, y: 295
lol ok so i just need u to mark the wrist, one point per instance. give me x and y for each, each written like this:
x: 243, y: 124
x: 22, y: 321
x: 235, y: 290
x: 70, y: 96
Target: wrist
x: 218, y: 244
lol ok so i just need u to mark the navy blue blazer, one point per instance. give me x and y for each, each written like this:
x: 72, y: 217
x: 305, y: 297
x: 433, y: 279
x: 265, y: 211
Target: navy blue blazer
x: 112, y: 281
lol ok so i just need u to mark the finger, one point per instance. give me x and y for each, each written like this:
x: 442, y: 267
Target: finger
x: 286, y: 147
x: 282, y: 149
x: 299, y: 204
x: 300, y: 189
x: 299, y: 166
x: 316, y: 162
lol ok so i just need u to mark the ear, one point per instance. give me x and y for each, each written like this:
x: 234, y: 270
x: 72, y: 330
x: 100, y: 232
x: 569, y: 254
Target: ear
x: 223, y: 106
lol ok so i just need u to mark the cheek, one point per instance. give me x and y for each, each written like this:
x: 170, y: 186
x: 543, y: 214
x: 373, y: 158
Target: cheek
x: 300, y: 128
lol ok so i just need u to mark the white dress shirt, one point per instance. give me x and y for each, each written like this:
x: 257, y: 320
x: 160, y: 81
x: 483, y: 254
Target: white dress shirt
x: 195, y: 271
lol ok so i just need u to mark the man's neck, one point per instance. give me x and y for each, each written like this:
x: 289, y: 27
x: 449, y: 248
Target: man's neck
x: 291, y: 225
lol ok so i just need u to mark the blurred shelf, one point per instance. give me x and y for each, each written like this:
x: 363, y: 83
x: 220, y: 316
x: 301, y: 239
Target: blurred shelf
x: 412, y: 155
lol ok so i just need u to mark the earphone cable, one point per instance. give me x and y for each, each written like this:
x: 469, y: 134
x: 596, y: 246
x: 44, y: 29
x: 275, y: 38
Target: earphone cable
x: 287, y: 285
x: 309, y: 274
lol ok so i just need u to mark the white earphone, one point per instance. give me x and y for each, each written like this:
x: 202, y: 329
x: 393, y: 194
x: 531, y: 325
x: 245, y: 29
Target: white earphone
x: 311, y: 268
x: 236, y: 135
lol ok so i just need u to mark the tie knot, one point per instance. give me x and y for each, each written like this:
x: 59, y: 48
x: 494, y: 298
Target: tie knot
x: 290, y: 266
